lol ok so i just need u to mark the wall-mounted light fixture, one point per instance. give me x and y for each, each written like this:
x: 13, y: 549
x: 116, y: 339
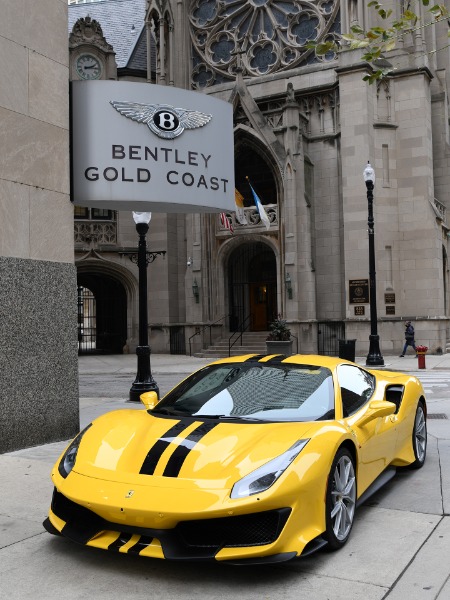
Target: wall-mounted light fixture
x: 189, y: 262
x: 288, y: 283
x: 196, y: 291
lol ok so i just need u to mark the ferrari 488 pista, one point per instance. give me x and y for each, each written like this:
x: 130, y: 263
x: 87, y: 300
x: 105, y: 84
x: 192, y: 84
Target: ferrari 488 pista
x: 251, y: 459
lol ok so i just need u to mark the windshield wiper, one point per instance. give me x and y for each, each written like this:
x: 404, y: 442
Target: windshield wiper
x: 226, y: 417
x: 195, y: 415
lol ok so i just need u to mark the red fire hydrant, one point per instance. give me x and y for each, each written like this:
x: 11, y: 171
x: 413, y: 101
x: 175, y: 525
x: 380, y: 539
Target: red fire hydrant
x: 421, y: 351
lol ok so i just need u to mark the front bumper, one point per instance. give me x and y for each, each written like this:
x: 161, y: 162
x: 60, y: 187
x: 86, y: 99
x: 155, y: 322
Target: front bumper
x: 196, y: 540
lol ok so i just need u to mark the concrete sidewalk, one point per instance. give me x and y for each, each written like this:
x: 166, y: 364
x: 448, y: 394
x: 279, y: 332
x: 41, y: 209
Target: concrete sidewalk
x: 170, y: 363
x: 399, y: 547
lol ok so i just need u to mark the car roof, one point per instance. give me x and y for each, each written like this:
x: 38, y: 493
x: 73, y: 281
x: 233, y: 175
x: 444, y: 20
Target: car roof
x: 331, y: 362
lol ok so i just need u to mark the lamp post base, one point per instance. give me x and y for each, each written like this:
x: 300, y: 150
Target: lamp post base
x: 374, y: 358
x: 144, y: 381
x: 140, y: 387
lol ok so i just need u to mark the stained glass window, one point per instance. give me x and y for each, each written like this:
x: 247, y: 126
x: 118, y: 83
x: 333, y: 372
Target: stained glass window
x: 260, y: 36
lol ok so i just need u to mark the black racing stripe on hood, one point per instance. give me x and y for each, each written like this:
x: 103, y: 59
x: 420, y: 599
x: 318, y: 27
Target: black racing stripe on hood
x: 155, y: 452
x: 255, y: 358
x: 177, y: 459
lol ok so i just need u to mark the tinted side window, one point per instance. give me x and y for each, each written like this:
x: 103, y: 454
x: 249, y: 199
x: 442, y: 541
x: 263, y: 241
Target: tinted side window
x: 357, y: 387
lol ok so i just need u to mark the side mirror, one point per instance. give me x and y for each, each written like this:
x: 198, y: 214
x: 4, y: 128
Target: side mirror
x: 376, y: 409
x: 149, y: 400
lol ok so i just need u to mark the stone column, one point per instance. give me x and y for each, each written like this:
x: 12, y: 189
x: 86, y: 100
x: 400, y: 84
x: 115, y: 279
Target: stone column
x: 296, y: 236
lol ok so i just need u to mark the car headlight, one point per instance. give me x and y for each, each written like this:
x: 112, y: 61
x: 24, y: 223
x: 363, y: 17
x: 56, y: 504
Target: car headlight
x: 261, y: 479
x: 67, y: 462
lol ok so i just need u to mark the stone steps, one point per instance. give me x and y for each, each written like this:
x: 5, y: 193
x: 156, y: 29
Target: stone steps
x: 253, y: 342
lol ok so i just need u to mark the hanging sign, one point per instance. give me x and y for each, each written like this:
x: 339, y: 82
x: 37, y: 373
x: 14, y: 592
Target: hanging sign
x: 146, y: 147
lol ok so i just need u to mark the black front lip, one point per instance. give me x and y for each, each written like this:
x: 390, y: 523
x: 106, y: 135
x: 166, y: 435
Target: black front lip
x: 48, y: 526
x: 263, y: 560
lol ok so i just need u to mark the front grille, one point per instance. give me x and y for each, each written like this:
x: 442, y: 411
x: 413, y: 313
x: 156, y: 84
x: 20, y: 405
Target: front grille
x: 245, y: 530
x: 196, y: 540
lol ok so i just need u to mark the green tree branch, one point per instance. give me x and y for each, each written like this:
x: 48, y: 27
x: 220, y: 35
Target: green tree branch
x: 378, y: 41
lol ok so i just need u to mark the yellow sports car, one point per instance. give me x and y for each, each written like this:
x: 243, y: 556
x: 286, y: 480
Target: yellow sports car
x: 251, y: 459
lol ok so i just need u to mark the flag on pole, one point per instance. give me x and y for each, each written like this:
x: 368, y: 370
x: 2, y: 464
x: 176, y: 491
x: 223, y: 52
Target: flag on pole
x: 262, y: 213
x: 226, y: 222
x: 240, y: 213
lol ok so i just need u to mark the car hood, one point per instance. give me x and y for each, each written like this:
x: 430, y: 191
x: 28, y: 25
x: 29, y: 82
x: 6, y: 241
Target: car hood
x: 135, y: 446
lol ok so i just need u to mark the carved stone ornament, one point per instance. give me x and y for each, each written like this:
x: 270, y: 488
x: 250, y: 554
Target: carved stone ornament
x: 100, y: 233
x: 258, y: 37
x: 88, y: 31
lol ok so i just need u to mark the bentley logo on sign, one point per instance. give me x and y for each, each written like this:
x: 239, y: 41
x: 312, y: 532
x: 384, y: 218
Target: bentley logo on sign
x: 164, y: 120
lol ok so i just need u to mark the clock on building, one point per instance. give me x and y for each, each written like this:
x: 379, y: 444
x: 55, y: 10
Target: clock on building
x: 88, y: 66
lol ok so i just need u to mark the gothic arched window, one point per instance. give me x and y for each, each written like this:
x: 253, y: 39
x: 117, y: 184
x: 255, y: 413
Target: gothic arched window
x: 271, y: 35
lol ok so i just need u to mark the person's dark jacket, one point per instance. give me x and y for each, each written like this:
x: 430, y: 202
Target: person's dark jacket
x: 409, y: 333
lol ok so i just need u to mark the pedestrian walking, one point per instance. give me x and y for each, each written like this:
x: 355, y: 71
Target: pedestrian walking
x: 409, y: 338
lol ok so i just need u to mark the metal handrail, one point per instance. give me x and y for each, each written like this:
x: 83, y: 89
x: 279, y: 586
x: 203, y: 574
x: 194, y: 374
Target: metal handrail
x: 203, y: 329
x: 240, y: 330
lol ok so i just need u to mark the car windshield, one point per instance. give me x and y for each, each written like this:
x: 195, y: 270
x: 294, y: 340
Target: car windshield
x: 259, y: 392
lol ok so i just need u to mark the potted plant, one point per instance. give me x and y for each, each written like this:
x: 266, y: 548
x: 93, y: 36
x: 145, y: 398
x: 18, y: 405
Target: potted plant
x: 279, y: 340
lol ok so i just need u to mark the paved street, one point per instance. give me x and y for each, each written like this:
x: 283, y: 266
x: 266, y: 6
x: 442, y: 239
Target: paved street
x: 399, y: 547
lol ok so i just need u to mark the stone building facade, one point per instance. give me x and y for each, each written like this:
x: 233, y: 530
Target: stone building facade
x: 304, y: 130
x: 38, y: 364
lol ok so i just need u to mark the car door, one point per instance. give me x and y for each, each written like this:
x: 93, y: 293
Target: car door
x: 376, y: 439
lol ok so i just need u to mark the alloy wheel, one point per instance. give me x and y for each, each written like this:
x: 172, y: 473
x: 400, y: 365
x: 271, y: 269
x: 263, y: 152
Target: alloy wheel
x: 343, y: 497
x: 420, y: 434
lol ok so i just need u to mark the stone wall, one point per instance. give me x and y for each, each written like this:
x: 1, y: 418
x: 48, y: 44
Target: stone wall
x: 39, y: 370
x: 38, y: 359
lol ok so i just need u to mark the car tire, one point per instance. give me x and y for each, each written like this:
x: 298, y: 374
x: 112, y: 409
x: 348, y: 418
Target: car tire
x: 340, y: 500
x: 419, y: 437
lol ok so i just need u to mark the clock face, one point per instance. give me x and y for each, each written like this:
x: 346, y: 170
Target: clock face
x: 88, y: 67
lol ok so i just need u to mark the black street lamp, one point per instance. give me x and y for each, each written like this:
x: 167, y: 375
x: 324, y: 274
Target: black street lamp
x: 144, y: 381
x: 374, y: 358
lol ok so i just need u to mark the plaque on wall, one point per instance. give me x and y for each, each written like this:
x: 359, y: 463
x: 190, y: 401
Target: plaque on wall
x: 360, y: 311
x: 390, y: 310
x: 358, y: 291
x: 389, y: 298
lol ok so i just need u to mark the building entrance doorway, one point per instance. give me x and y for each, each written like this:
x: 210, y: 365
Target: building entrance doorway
x: 102, y: 314
x: 252, y: 287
